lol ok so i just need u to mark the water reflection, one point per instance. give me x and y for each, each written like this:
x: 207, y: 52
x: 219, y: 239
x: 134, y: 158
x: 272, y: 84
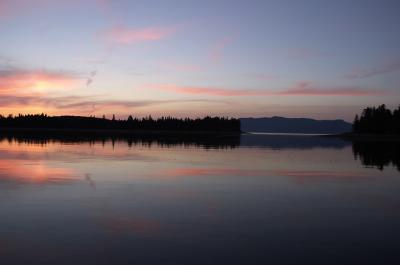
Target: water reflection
x: 138, y: 226
x: 377, y: 154
x: 261, y: 200
x: 370, y: 153
x: 167, y: 140
x: 164, y: 140
x: 298, y: 175
x: 277, y: 141
x: 34, y: 172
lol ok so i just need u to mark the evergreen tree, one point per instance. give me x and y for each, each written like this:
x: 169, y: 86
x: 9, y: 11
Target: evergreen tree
x: 378, y: 120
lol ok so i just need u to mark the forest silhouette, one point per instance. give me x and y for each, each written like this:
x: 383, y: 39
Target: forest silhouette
x: 378, y: 120
x: 43, y: 121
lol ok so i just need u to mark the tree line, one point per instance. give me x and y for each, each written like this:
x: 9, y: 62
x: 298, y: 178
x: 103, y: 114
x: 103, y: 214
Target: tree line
x: 43, y: 121
x: 378, y: 120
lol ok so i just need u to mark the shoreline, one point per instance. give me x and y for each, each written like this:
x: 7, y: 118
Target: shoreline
x: 116, y: 132
x: 176, y: 133
x: 366, y: 137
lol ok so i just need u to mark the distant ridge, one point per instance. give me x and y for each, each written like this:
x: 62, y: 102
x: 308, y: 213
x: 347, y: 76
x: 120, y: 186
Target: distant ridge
x: 294, y: 125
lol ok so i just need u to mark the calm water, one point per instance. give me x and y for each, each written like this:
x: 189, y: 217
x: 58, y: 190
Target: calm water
x: 261, y: 199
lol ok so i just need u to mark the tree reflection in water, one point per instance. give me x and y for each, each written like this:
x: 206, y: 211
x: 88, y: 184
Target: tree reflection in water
x: 379, y: 154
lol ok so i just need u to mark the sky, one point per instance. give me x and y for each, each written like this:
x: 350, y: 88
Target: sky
x: 321, y: 59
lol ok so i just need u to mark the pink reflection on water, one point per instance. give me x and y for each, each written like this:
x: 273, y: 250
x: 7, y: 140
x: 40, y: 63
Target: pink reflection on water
x: 185, y: 172
x: 37, y: 172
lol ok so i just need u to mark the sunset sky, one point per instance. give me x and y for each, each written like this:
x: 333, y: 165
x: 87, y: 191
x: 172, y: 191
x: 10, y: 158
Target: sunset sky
x: 313, y: 58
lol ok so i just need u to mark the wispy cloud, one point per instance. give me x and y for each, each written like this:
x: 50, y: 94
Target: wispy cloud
x: 389, y: 67
x: 122, y: 35
x: 337, y: 91
x: 32, y: 90
x: 211, y: 91
x: 301, y: 89
x: 17, y: 80
x: 80, y: 104
x: 90, y: 79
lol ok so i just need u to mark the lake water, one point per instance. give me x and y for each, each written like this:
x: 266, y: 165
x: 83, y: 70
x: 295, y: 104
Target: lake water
x: 259, y: 199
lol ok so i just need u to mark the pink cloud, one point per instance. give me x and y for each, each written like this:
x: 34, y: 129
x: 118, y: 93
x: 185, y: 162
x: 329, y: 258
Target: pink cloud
x: 301, y: 89
x: 79, y: 105
x: 305, y: 88
x: 210, y: 90
x: 128, y: 36
x: 388, y: 67
x: 15, y: 80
